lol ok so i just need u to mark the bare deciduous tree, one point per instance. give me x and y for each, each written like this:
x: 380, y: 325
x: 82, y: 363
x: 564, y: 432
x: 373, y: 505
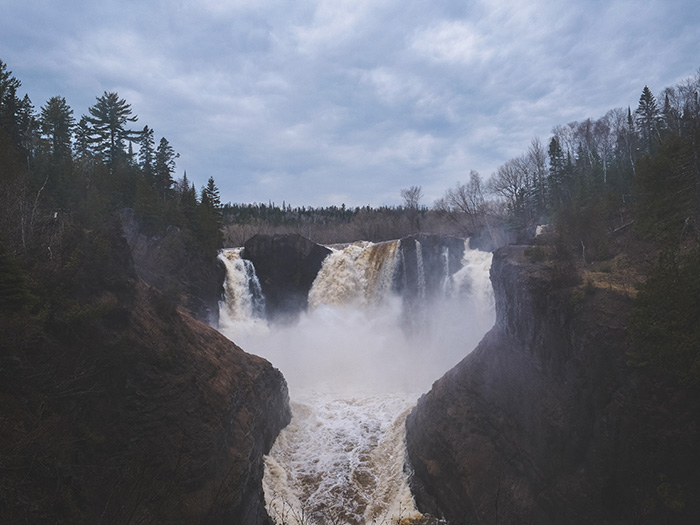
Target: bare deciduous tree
x: 465, y: 203
x: 412, y: 196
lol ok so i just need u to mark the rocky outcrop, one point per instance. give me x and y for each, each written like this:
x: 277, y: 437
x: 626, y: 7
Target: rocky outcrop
x: 166, y: 262
x: 544, y: 422
x: 121, y: 408
x: 286, y: 266
x: 440, y: 257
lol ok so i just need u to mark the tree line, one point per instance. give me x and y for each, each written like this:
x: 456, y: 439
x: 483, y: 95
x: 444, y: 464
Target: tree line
x: 637, y: 164
x: 585, y: 174
x: 59, y: 170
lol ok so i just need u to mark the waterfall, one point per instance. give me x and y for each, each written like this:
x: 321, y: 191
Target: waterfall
x: 472, y: 279
x: 420, y: 270
x: 243, y: 308
x: 340, y: 461
x: 446, y: 276
x: 354, y: 372
x: 360, y: 275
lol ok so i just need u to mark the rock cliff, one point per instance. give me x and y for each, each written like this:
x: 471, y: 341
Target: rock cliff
x: 118, y: 407
x: 441, y: 256
x: 544, y: 422
x: 286, y: 266
x: 167, y: 263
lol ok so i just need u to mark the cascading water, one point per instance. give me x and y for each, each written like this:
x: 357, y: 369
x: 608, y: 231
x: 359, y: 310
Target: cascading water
x: 420, y: 270
x: 354, y: 372
x: 243, y: 308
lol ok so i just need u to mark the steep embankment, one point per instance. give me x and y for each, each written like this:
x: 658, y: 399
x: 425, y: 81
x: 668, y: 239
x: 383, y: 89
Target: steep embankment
x: 170, y: 264
x: 119, y: 407
x: 544, y: 422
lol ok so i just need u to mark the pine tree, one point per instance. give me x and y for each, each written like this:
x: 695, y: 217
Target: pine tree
x: 110, y: 116
x: 147, y: 154
x: 671, y: 115
x: 187, y: 198
x: 10, y: 104
x: 163, y: 168
x: 210, y: 195
x: 28, y: 126
x: 558, y: 175
x: 648, y: 118
x: 82, y: 145
x: 57, y: 124
x: 210, y: 222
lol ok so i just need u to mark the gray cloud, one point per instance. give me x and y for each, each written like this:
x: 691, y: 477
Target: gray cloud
x: 322, y: 102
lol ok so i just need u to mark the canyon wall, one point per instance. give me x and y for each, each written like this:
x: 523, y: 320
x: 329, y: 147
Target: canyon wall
x: 545, y: 422
x: 119, y: 407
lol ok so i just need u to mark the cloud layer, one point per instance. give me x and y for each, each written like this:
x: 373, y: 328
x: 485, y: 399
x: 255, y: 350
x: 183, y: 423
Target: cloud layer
x: 321, y: 102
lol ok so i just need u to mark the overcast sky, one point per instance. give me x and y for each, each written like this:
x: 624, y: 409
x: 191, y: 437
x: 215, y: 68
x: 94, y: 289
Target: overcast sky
x: 319, y: 102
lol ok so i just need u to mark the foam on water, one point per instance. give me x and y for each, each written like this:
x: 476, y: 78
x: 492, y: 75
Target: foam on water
x: 350, y: 468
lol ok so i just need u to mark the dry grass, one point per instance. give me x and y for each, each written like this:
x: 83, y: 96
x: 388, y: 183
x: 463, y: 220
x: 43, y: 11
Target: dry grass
x: 618, y: 274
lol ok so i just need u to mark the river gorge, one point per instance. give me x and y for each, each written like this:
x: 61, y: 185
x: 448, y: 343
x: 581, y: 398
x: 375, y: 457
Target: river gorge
x: 377, y: 332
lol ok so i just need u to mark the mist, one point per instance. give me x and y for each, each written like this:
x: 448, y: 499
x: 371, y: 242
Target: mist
x: 359, y: 336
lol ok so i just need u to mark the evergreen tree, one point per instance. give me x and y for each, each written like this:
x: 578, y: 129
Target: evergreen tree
x: 210, y: 195
x: 28, y: 126
x: 186, y: 198
x: 57, y: 123
x: 558, y: 175
x: 163, y: 168
x: 110, y: 116
x: 147, y: 153
x: 10, y: 104
x: 82, y: 145
x: 648, y: 118
x: 210, y: 223
x: 671, y: 115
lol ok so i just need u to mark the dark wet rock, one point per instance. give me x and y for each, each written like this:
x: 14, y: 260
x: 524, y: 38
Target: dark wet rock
x: 286, y: 265
x: 440, y: 256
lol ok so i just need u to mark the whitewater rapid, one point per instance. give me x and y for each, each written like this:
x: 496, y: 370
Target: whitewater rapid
x: 354, y: 373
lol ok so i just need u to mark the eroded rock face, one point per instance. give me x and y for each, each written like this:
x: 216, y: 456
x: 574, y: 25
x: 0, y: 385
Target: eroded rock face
x: 286, y: 266
x: 201, y: 413
x: 167, y: 264
x: 545, y: 423
x: 440, y: 257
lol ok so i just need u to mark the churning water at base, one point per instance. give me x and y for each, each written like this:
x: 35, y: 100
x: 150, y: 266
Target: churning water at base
x: 354, y: 372
x: 341, y: 461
